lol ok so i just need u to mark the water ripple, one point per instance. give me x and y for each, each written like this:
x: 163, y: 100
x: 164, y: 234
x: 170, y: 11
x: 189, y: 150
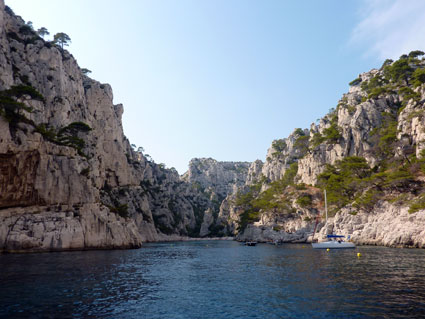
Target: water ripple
x: 215, y: 279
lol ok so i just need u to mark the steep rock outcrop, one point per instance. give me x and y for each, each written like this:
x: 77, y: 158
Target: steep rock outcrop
x: 284, y: 152
x: 370, y: 149
x: 217, y: 180
x: 356, y: 120
x: 387, y: 225
x: 69, y: 178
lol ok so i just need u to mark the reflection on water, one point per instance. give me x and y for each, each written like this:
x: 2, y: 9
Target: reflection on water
x: 215, y: 279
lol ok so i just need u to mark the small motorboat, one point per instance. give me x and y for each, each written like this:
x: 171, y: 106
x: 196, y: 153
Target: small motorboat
x: 250, y: 243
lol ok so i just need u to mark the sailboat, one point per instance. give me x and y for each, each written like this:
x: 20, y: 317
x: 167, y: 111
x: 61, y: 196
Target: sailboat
x: 333, y: 241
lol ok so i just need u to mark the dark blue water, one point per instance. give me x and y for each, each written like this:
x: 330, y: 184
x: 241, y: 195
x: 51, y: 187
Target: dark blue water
x: 215, y: 279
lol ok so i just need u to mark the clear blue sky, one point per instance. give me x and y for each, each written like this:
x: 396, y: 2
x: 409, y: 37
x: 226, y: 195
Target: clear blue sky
x: 220, y: 78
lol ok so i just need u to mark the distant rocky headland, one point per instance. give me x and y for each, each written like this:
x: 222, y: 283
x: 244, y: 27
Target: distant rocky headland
x: 70, y: 179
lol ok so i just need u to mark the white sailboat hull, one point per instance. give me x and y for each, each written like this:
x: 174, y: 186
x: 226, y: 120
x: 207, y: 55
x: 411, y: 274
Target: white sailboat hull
x: 333, y: 245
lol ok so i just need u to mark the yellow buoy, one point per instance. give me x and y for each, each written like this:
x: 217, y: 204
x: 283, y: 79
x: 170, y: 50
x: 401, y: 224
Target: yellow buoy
x: 303, y: 246
x: 359, y: 255
x: 327, y: 249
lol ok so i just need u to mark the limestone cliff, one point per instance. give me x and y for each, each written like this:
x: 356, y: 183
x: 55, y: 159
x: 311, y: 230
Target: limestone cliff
x: 216, y: 180
x: 69, y: 178
x: 368, y: 154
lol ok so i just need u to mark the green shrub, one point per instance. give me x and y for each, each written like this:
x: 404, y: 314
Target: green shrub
x: 121, y: 210
x: 299, y: 132
x: 418, y: 77
x: 18, y: 91
x: 74, y: 128
x: 332, y: 134
x: 316, y: 140
x: 301, y: 143
x: 368, y: 199
x: 384, y: 138
x: 252, y: 201
x: 399, y: 199
x: 277, y: 154
x: 374, y: 83
x: 355, y: 82
x: 399, y: 71
x: 289, y: 176
x: 26, y: 30
x: 407, y: 94
x: 304, y: 200
x: 416, y: 53
x: 66, y: 136
x: 400, y: 178
x: 386, y: 62
x: 417, y: 205
x: 376, y: 92
x: 11, y: 110
x: 47, y: 132
x: 351, y: 109
x: 344, y: 179
x: 279, y: 145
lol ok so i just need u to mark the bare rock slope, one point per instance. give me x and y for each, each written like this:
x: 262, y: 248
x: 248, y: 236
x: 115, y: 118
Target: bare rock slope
x: 69, y: 178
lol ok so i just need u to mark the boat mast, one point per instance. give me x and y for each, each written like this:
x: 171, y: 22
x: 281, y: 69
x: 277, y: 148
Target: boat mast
x: 326, y: 208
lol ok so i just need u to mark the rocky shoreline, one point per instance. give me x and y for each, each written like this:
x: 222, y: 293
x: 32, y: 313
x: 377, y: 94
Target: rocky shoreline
x: 388, y: 225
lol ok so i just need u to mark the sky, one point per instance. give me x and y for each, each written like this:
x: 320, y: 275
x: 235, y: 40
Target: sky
x: 224, y: 78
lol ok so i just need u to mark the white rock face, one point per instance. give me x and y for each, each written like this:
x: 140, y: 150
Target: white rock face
x: 278, y: 159
x: 356, y: 119
x: 386, y: 225
x: 45, y: 230
x: 355, y: 137
x: 216, y: 180
x: 254, y: 172
x: 56, y: 197
x: 50, y: 193
x: 216, y: 177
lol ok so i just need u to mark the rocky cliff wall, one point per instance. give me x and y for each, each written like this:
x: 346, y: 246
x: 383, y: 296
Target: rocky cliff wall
x: 217, y: 180
x: 69, y: 178
x: 49, y: 197
x: 368, y: 154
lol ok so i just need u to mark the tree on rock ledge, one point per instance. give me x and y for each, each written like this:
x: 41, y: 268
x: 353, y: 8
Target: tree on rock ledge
x: 61, y: 39
x: 42, y: 32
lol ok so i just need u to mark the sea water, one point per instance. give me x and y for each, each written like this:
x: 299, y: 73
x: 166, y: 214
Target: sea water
x: 215, y: 279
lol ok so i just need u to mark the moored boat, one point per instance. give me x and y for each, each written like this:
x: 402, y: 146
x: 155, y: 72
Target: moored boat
x: 250, y: 243
x: 334, y: 242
